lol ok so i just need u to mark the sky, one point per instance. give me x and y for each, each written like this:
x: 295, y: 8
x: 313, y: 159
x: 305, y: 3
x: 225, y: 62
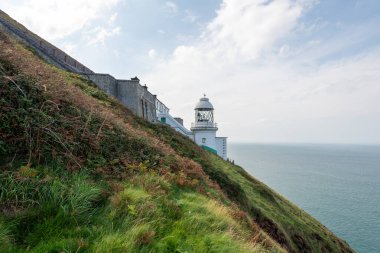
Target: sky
x: 284, y: 71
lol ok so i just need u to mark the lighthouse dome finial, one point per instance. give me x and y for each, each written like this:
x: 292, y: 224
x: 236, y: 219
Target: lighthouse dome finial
x: 204, y: 104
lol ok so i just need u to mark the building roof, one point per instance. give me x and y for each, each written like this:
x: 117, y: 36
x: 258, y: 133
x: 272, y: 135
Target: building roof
x: 204, y: 103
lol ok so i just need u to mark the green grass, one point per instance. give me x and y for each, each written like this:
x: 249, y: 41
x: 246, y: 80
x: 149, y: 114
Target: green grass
x: 173, y: 220
x: 146, y: 214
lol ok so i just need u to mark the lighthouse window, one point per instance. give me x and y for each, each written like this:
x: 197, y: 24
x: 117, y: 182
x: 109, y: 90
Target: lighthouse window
x: 203, y: 140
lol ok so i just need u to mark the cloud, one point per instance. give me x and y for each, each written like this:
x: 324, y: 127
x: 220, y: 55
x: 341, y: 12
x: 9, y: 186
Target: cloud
x: 243, y: 29
x: 113, y: 18
x: 239, y: 33
x: 242, y: 63
x: 69, y: 47
x: 171, y: 7
x: 152, y: 53
x: 190, y: 17
x: 53, y: 19
x: 98, y: 35
x: 160, y: 31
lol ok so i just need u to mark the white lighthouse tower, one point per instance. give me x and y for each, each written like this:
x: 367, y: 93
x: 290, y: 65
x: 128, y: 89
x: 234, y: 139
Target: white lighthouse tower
x: 204, y: 129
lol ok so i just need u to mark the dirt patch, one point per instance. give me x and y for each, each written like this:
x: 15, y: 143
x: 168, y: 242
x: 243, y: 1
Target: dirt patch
x: 12, y: 209
x: 317, y: 237
x: 272, y: 229
x: 326, y: 248
x: 344, y: 247
x: 301, y: 244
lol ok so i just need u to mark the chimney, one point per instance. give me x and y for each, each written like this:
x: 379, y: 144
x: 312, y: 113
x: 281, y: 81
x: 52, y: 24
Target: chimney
x: 135, y: 79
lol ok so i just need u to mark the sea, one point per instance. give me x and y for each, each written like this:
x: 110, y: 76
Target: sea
x: 337, y: 184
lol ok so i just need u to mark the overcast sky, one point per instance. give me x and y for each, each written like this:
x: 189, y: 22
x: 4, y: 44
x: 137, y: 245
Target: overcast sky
x: 276, y: 71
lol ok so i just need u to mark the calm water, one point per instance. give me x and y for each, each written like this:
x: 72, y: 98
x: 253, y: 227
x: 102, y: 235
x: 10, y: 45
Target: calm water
x: 337, y: 184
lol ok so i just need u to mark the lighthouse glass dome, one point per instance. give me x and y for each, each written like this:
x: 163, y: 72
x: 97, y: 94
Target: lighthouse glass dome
x: 204, y: 114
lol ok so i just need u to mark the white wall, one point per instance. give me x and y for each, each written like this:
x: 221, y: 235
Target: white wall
x: 209, y: 138
x: 217, y: 143
x: 221, y: 147
x: 174, y: 124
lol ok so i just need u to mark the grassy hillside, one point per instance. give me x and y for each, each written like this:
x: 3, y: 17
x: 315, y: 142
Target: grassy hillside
x: 81, y: 173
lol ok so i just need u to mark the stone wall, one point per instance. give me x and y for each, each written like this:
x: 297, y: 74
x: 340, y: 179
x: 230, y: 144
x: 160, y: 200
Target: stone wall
x: 137, y: 98
x: 105, y: 82
x: 129, y: 92
x: 148, y: 104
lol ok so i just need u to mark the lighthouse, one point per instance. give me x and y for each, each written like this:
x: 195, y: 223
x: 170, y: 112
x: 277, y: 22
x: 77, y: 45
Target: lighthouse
x: 204, y: 129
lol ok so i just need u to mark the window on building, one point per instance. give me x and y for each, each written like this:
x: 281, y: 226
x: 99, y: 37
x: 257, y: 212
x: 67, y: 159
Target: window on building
x: 203, y: 140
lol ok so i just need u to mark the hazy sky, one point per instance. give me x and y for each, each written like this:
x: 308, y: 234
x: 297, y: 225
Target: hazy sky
x: 276, y: 71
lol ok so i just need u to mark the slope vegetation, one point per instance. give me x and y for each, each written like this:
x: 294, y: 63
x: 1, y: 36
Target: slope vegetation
x: 80, y: 173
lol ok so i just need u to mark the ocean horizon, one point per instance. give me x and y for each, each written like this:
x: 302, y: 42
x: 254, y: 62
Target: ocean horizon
x: 338, y: 184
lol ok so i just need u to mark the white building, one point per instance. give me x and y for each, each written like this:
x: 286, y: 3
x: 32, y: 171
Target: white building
x: 203, y: 130
x: 164, y: 117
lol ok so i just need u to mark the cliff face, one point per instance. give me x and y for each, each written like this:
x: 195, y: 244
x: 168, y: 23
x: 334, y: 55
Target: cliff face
x: 80, y: 172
